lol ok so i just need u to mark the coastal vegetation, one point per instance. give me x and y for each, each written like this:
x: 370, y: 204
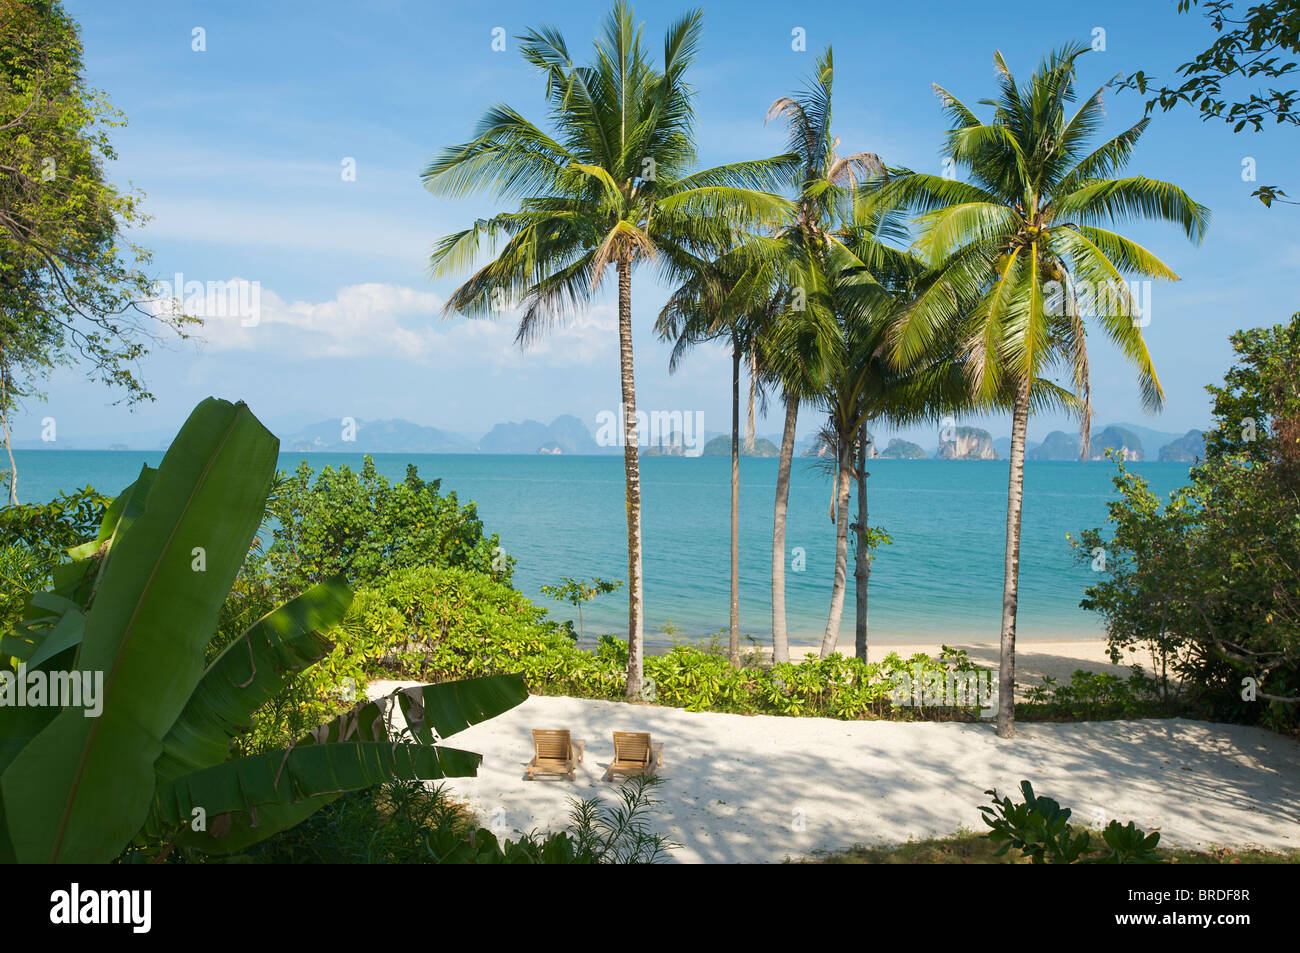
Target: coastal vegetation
x: 132, y: 614
x: 1206, y: 587
x: 615, y: 186
x: 242, y: 616
x: 74, y: 289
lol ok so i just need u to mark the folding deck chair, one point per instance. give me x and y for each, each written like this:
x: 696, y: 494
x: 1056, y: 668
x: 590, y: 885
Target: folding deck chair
x: 635, y: 754
x: 554, y: 752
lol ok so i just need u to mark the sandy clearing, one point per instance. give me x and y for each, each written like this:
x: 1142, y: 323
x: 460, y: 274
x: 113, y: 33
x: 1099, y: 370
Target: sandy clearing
x: 757, y: 789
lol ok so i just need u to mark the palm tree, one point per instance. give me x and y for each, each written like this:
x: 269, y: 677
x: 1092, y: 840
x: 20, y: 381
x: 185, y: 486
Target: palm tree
x: 611, y: 188
x: 804, y: 336
x: 722, y: 299
x: 1020, y: 258
x: 866, y: 385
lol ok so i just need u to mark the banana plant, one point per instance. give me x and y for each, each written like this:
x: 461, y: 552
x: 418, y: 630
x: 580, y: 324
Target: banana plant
x: 132, y: 612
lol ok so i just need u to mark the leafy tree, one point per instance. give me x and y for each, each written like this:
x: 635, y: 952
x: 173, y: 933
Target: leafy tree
x: 71, y: 287
x: 362, y: 527
x: 1020, y: 259
x: 613, y: 187
x: 578, y: 591
x: 1258, y: 43
x: 1210, y: 582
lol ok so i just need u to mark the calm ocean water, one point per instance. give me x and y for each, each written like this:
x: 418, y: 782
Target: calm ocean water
x: 564, y: 516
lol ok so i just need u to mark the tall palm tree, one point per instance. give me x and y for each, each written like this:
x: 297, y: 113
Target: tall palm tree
x: 722, y: 299
x: 612, y: 187
x: 805, y: 335
x: 1020, y: 258
x: 866, y: 385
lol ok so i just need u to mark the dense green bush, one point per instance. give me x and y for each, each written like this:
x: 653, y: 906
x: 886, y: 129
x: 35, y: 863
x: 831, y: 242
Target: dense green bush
x: 35, y: 537
x: 1209, y: 583
x: 434, y: 624
x: 362, y: 526
x: 1097, y: 696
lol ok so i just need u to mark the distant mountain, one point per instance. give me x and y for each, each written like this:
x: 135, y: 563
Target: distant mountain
x: 564, y: 434
x: 1186, y: 449
x: 1115, y: 438
x: 374, y: 436
x: 899, y: 449
x: 1152, y: 440
x: 968, y: 443
x: 721, y: 447
x: 816, y: 446
x: 1059, y: 445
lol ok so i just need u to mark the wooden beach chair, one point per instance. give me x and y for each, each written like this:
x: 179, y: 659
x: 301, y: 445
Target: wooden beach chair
x: 635, y: 754
x: 554, y: 752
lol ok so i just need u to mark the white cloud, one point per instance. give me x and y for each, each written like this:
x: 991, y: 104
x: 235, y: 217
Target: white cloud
x: 395, y: 322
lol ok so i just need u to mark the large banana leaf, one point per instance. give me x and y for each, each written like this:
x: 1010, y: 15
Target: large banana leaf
x: 53, y: 624
x: 429, y: 711
x: 151, y: 616
x: 247, y: 674
x: 250, y: 799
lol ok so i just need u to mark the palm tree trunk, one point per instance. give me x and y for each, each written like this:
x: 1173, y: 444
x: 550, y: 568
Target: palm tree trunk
x: 862, y: 565
x: 843, y: 475
x: 1006, y: 723
x: 753, y: 398
x: 4, y: 423
x: 780, y: 638
x: 632, y: 471
x: 734, y: 644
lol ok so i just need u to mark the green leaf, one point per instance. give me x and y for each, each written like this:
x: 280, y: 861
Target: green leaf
x: 83, y: 786
x: 248, y: 673
x: 253, y: 798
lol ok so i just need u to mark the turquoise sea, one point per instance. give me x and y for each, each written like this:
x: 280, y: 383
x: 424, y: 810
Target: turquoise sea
x: 564, y: 516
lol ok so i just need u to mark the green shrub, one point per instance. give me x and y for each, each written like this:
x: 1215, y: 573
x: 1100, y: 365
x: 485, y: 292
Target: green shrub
x: 1040, y: 829
x: 433, y: 624
x: 1097, y: 696
x: 36, y: 538
x: 363, y: 527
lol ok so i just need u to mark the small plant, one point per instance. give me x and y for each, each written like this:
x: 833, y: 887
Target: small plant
x: 577, y: 591
x: 1040, y: 829
x: 619, y: 834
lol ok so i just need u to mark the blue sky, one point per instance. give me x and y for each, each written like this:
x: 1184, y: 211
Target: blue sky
x: 239, y: 150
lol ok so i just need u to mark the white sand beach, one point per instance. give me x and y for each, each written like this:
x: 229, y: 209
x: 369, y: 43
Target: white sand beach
x: 759, y: 789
